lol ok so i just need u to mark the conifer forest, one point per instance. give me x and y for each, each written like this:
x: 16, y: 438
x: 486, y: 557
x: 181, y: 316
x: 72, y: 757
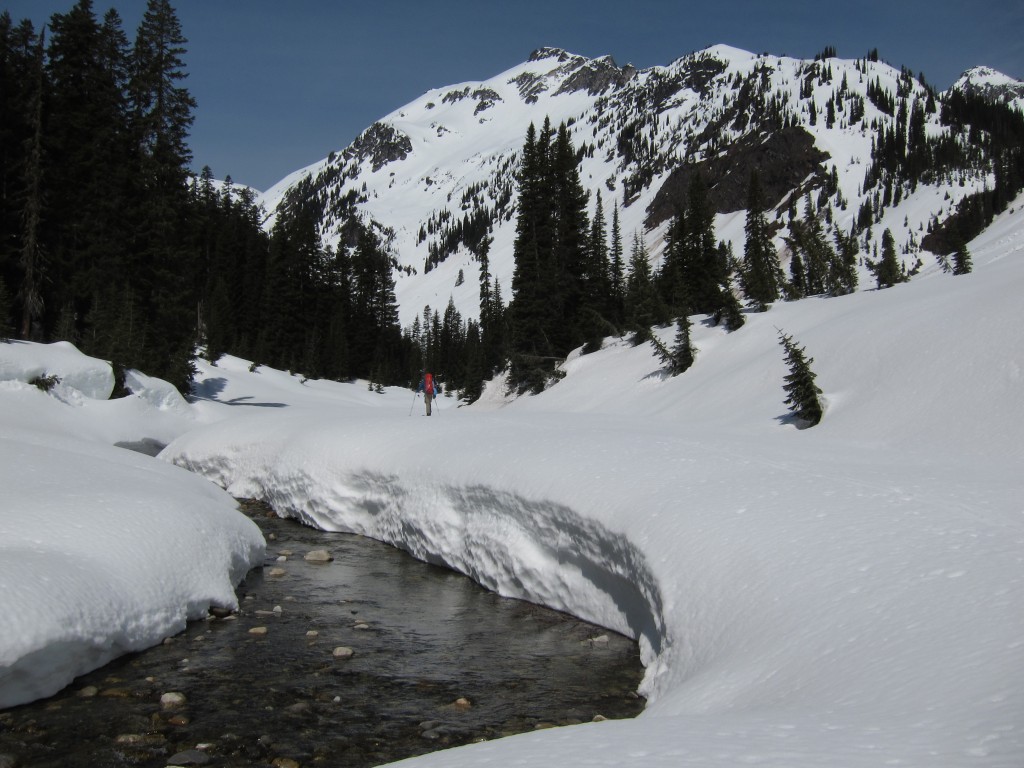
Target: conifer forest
x: 109, y: 239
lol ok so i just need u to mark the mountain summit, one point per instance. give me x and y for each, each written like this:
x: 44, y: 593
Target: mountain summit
x: 867, y: 145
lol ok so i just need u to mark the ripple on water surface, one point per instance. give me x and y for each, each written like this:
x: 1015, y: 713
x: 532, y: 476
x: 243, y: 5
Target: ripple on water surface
x: 368, y: 658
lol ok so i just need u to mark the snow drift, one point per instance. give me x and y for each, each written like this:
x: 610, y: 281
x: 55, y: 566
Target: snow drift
x: 845, y: 595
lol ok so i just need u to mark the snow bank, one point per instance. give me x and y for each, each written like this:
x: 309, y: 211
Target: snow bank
x: 847, y: 595
x: 23, y: 361
x: 102, y: 551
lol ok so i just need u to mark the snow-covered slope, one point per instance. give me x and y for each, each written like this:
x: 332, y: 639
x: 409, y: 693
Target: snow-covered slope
x: 851, y: 595
x: 454, y: 152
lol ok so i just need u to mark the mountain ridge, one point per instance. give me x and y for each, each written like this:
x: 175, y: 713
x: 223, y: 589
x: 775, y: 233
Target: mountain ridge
x: 453, y: 152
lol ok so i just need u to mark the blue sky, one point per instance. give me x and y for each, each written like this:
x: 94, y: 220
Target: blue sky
x: 280, y: 85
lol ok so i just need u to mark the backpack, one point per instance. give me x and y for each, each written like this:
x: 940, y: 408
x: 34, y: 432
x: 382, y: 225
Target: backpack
x: 428, y: 383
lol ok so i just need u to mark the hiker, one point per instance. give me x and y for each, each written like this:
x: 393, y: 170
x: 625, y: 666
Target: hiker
x: 430, y: 387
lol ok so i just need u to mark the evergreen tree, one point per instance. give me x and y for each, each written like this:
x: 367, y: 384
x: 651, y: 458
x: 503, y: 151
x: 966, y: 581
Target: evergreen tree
x: 887, y: 269
x: 531, y: 307
x: 761, y: 276
x: 680, y: 357
x: 552, y: 309
x: 961, y: 258
x: 87, y: 158
x: 703, y: 271
x: 164, y: 265
x: 843, y: 276
x: 670, y: 279
x: 643, y: 306
x: 19, y: 74
x: 617, y: 270
x: 600, y: 297
x: 375, y: 340
x: 575, y: 283
x: 492, y: 319
x: 32, y: 263
x: 682, y: 352
x: 801, y: 390
x: 5, y: 312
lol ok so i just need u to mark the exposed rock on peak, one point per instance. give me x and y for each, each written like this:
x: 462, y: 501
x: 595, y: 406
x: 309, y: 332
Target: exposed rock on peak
x: 381, y: 144
x: 992, y: 86
x: 596, y: 76
x: 550, y: 53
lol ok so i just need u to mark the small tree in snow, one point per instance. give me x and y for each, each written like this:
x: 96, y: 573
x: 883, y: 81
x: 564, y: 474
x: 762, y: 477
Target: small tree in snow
x: 802, y: 392
x: 962, y: 258
x: 680, y: 357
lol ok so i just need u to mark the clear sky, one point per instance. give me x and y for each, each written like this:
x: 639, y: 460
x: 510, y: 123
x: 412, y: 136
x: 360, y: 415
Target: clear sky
x: 282, y: 83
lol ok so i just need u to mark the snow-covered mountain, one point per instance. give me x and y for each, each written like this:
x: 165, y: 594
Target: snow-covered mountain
x: 807, y: 125
x: 993, y: 85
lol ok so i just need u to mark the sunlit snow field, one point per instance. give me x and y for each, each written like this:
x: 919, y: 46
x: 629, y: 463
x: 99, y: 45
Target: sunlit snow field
x: 847, y: 595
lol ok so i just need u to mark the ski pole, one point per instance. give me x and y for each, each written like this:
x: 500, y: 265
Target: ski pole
x: 414, y: 396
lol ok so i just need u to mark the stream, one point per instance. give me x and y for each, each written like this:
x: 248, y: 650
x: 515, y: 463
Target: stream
x: 365, y: 659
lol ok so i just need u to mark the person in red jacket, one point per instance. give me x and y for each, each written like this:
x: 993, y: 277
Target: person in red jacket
x: 430, y: 388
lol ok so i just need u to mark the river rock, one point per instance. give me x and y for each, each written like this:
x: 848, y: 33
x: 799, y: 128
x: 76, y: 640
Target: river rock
x: 312, y: 634
x: 277, y: 572
x: 88, y: 691
x: 189, y: 757
x: 343, y: 652
x: 462, y: 703
x: 172, y: 700
x: 319, y: 556
x: 258, y: 631
x: 219, y: 612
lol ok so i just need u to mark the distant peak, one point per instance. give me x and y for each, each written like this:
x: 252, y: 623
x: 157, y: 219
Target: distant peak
x: 550, y: 53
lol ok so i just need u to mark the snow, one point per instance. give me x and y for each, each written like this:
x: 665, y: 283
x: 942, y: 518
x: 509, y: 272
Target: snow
x: 847, y: 595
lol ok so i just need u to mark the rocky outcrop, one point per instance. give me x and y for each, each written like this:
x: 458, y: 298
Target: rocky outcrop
x: 784, y: 160
x: 380, y: 144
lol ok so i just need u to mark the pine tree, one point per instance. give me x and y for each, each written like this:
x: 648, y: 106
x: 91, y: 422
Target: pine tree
x: 531, y: 305
x: 600, y: 296
x: 617, y: 267
x: 843, y: 277
x: 682, y: 349
x: 87, y: 157
x: 887, y: 269
x: 19, y: 76
x: 576, y: 285
x: 5, y: 312
x: 802, y: 393
x: 703, y: 271
x: 643, y: 306
x: 761, y: 276
x: 32, y: 261
x: 670, y: 278
x: 961, y: 258
x: 164, y: 265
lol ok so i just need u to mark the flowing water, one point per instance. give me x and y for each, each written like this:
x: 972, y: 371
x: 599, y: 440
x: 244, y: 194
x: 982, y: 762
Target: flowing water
x: 435, y: 661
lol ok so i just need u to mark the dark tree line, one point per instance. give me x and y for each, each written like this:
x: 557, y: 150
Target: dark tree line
x: 95, y: 208
x: 107, y: 240
x: 573, y: 284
